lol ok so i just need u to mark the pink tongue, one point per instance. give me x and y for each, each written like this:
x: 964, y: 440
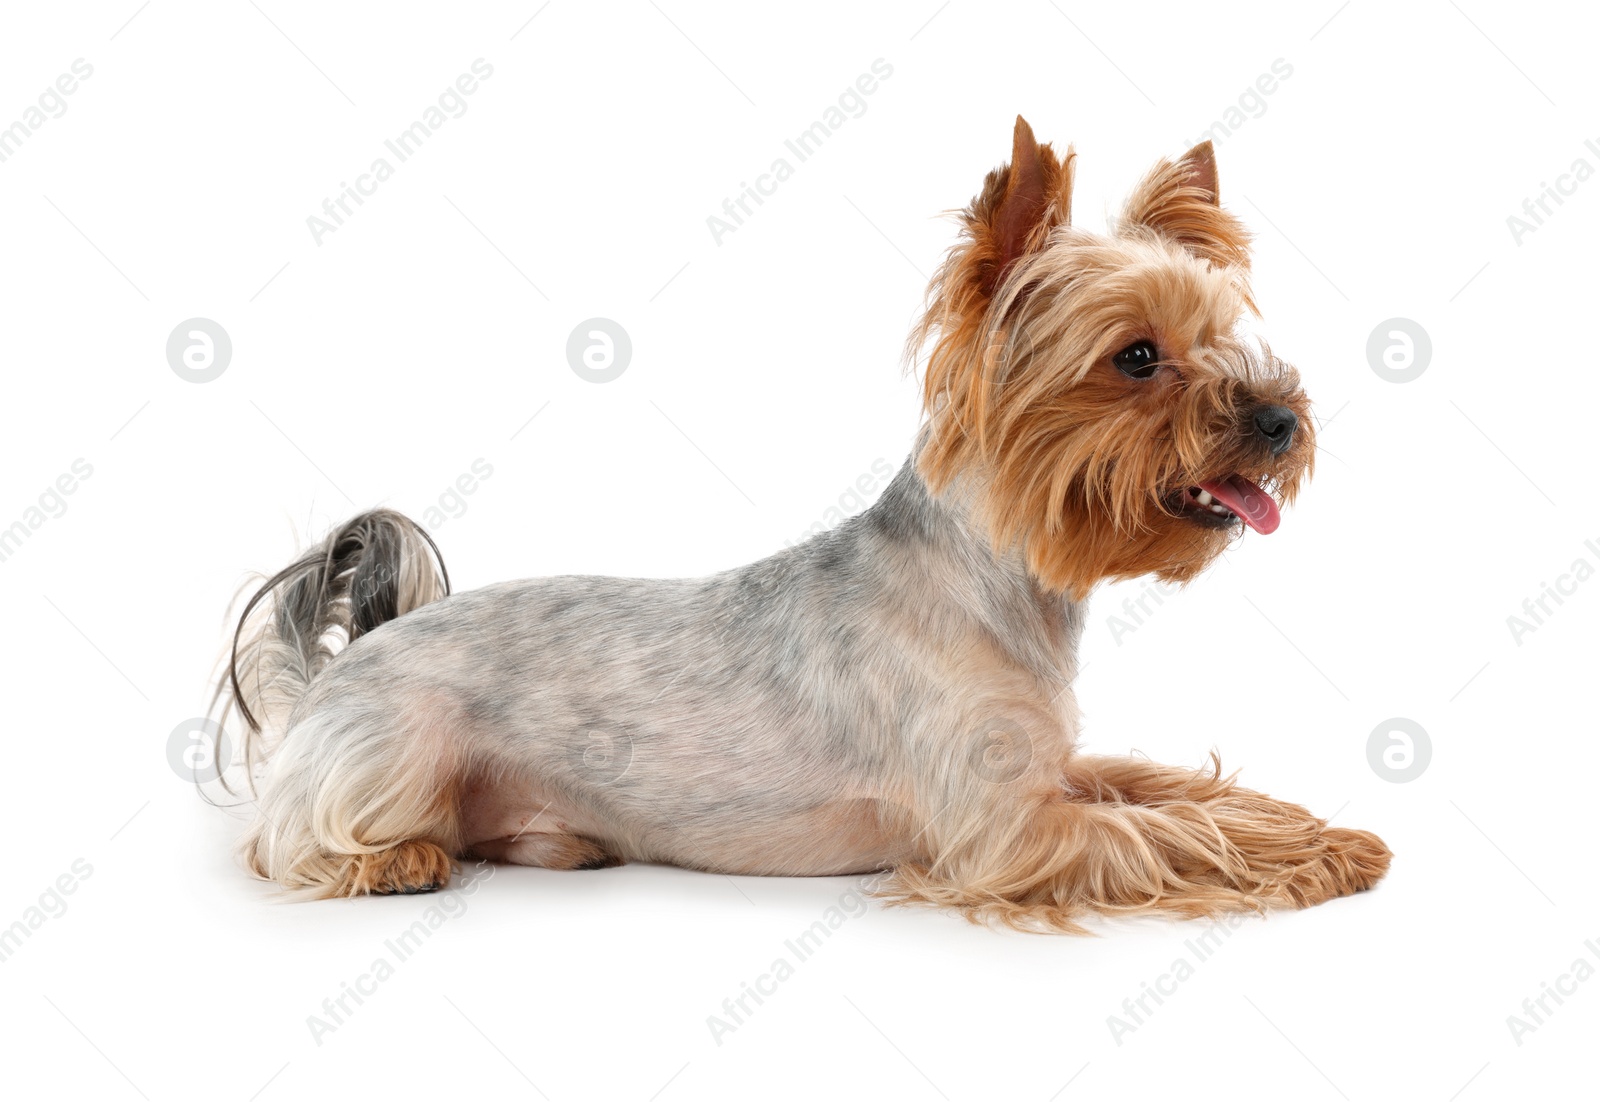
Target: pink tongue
x: 1250, y: 502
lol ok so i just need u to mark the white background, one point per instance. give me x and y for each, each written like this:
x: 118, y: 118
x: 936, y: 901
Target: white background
x: 377, y: 366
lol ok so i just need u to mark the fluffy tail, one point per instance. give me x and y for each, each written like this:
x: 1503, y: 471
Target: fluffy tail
x: 372, y: 569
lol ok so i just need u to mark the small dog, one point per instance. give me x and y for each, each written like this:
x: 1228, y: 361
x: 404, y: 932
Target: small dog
x: 893, y: 695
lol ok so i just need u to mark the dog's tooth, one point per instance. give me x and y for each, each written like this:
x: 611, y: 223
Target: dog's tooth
x: 1218, y: 510
x: 1204, y: 498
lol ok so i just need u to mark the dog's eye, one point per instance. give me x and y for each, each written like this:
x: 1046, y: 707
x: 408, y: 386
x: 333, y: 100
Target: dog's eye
x: 1138, y: 361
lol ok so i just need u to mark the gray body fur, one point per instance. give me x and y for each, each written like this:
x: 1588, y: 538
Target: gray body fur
x: 810, y: 713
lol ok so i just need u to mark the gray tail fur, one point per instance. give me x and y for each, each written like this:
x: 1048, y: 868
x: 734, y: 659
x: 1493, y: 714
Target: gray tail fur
x: 374, y: 568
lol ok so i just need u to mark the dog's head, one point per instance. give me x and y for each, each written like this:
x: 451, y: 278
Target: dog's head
x: 1094, y: 389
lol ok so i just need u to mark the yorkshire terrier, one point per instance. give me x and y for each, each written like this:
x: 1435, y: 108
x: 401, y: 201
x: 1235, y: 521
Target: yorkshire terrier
x: 893, y: 695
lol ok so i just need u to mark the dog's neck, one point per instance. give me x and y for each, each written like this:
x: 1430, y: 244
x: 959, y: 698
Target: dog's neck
x: 943, y: 542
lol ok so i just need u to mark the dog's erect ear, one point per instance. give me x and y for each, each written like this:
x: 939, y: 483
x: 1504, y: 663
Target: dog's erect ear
x: 1201, y: 165
x: 1020, y: 204
x: 1179, y: 200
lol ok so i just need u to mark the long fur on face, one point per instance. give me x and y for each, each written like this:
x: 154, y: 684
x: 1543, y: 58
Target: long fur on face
x: 1077, y: 462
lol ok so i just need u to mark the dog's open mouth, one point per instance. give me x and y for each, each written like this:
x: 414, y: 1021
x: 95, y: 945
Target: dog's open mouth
x: 1221, y: 502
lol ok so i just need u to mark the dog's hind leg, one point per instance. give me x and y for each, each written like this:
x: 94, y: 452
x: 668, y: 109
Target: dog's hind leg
x: 547, y: 851
x: 357, y: 811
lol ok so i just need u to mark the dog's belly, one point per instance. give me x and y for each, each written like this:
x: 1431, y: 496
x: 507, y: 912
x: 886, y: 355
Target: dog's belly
x: 847, y: 835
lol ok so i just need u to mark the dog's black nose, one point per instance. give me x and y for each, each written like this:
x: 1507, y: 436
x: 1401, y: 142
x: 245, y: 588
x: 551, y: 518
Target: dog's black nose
x: 1276, y: 424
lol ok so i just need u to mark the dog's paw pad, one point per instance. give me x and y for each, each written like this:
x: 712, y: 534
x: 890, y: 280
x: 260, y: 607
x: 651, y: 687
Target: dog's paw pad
x: 416, y: 889
x: 604, y: 861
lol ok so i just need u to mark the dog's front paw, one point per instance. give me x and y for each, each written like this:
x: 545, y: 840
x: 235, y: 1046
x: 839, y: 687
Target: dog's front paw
x: 1349, y: 861
x: 1360, y: 855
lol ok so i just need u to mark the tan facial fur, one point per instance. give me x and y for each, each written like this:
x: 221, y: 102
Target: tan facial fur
x: 1077, y: 461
